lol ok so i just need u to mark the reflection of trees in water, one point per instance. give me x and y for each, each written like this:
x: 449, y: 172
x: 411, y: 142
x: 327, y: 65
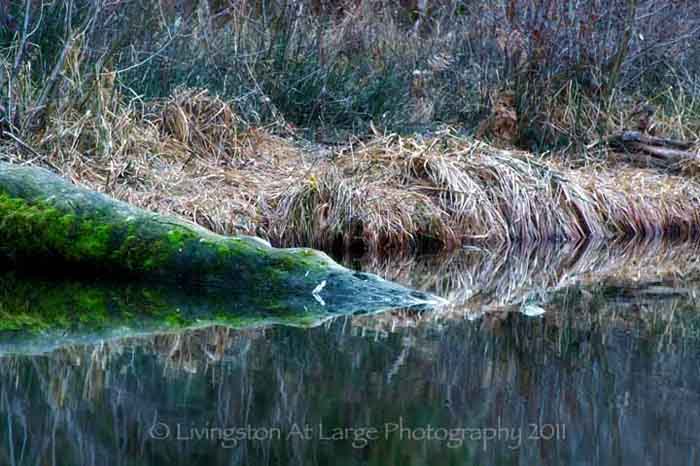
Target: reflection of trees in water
x: 618, y: 396
x: 607, y: 361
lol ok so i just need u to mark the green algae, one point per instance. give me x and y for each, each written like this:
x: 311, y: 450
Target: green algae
x: 35, y: 229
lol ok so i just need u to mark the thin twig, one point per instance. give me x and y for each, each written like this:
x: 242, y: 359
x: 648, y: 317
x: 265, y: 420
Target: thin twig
x: 31, y: 150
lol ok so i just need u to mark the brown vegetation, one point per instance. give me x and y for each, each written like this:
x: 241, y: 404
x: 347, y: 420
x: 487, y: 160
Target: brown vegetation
x: 189, y: 155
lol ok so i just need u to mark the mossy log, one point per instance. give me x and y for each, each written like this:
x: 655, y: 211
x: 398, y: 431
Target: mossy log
x: 48, y: 222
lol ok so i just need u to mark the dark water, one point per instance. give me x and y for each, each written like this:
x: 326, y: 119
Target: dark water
x: 609, y: 374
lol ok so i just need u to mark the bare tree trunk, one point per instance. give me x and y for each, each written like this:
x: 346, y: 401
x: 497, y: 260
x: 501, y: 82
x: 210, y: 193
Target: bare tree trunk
x: 623, y: 49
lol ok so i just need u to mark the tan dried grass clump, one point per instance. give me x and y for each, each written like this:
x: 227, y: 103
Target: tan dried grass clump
x: 501, y: 126
x: 200, y: 166
x: 398, y: 193
x: 395, y: 193
x: 203, y: 123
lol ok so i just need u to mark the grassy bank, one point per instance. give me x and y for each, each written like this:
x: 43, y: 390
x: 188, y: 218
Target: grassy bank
x: 389, y: 193
x: 363, y: 125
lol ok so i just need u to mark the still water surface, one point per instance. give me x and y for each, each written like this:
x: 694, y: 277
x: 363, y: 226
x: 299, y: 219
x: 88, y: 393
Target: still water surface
x: 609, y: 374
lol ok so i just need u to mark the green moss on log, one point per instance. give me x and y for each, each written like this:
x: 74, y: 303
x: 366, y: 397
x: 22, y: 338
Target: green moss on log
x: 43, y: 218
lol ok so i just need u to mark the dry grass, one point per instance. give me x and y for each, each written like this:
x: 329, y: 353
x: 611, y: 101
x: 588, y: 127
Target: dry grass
x: 400, y: 193
x: 185, y: 155
x: 191, y: 155
x: 203, y: 124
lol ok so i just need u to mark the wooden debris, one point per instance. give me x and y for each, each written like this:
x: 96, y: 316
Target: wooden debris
x: 659, y: 151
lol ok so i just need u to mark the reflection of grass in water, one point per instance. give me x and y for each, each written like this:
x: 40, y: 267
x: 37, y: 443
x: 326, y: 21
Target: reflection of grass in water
x: 482, y: 277
x: 283, y: 376
x: 650, y: 286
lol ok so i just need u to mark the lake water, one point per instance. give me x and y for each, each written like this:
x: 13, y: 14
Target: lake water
x: 544, y: 356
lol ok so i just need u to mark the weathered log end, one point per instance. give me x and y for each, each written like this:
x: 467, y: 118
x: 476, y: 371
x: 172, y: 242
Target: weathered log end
x: 45, y: 220
x: 657, y: 151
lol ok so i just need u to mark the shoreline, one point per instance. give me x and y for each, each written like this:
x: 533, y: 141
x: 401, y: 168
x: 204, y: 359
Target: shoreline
x: 385, y: 194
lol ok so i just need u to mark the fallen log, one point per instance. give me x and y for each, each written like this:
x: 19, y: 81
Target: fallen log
x: 658, y: 151
x: 48, y: 222
x: 638, y: 137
